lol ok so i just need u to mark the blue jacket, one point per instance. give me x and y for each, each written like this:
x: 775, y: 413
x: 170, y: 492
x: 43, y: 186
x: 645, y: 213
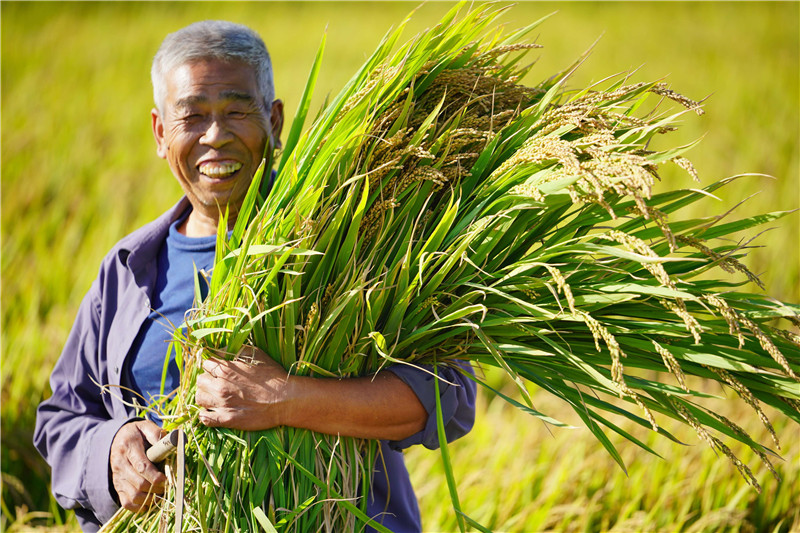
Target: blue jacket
x: 77, y: 424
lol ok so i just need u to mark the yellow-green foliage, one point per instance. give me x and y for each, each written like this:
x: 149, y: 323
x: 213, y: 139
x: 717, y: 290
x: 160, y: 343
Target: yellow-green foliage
x: 533, y: 478
x: 79, y: 171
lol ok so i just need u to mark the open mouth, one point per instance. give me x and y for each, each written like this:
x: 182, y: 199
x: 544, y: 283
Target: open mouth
x: 219, y: 170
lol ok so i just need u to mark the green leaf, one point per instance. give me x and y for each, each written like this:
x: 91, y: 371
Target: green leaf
x: 502, y: 363
x: 255, y: 250
x: 723, y: 230
x: 447, y: 465
x: 522, y: 407
x: 248, y: 205
x: 303, y: 106
x: 205, y: 332
x: 655, y: 290
x: 263, y: 521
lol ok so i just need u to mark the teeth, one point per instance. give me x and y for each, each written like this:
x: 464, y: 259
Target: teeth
x: 219, y: 170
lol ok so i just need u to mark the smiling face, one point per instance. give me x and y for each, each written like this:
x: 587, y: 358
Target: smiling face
x: 212, y: 131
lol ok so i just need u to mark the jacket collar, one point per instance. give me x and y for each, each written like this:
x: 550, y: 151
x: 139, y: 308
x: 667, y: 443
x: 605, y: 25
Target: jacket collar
x: 139, y: 250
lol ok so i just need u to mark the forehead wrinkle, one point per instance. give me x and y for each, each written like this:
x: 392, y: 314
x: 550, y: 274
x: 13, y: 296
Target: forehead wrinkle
x: 234, y: 95
x: 230, y: 95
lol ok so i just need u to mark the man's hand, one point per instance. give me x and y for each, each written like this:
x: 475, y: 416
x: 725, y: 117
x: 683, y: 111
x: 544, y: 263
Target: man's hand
x: 135, y: 478
x: 247, y: 393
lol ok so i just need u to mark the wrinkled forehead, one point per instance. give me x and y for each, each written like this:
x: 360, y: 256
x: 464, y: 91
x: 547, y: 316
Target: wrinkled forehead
x: 206, y: 80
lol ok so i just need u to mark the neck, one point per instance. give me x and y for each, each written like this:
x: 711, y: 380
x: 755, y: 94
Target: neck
x: 198, y: 224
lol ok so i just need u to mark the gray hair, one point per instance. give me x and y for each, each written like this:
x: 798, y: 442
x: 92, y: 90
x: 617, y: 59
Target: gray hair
x: 213, y: 39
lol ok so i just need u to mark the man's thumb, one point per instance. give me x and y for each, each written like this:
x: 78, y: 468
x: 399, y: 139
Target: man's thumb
x: 152, y: 432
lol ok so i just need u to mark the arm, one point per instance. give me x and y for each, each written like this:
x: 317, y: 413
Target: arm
x: 457, y: 392
x: 246, y: 396
x: 75, y: 428
x: 396, y: 405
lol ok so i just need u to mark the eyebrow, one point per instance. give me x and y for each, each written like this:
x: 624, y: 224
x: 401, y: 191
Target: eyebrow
x: 230, y: 95
x: 237, y: 96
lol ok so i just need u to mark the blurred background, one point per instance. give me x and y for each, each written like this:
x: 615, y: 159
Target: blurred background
x: 79, y: 171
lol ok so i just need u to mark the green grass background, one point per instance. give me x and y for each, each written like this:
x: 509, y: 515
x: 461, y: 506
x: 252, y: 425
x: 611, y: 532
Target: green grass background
x: 79, y: 171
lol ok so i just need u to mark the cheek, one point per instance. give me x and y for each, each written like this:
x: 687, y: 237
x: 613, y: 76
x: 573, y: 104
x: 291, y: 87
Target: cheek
x: 179, y: 148
x: 255, y: 136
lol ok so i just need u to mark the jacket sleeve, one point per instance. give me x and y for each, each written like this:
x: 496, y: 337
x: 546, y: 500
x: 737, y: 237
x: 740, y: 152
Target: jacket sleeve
x: 457, y: 392
x: 74, y: 429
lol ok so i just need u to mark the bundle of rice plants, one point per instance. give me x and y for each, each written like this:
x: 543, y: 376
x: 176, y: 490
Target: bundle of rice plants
x: 439, y: 211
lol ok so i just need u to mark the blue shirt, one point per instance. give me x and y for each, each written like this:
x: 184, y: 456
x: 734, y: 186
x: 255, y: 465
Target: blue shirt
x: 180, y: 259
x: 77, y: 424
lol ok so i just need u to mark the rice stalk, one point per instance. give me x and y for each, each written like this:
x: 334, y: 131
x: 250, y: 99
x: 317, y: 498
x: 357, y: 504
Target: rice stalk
x: 428, y: 216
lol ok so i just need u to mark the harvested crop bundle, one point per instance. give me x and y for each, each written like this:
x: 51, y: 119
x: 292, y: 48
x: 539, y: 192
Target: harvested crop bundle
x: 438, y: 212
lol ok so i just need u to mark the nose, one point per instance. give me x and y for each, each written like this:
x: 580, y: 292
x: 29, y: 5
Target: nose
x: 216, y: 134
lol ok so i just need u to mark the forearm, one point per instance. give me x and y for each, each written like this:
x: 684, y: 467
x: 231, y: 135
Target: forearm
x: 77, y: 449
x: 382, y: 407
x: 75, y: 425
x: 260, y: 395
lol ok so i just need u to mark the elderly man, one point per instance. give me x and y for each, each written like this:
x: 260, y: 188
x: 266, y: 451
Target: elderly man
x: 215, y: 118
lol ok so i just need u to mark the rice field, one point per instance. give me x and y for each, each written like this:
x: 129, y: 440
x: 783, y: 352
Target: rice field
x: 79, y: 171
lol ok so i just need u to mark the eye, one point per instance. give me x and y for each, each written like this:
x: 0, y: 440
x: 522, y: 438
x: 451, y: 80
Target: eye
x: 192, y: 118
x: 237, y: 114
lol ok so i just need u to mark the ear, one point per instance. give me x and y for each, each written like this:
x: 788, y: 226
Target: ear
x: 276, y: 122
x: 158, y: 133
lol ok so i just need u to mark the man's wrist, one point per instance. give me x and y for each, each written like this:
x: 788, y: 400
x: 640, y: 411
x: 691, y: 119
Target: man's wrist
x: 294, y: 391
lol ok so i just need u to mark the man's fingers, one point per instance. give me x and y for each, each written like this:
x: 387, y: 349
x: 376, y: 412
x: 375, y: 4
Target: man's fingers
x: 217, y: 392
x: 209, y: 417
x: 152, y: 476
x: 137, y: 488
x: 138, y: 484
x: 249, y: 354
x: 129, y: 496
x: 219, y: 417
x: 137, y: 458
x: 203, y: 398
x: 152, y: 432
x: 208, y: 392
x: 135, y: 478
x: 212, y: 367
x: 137, y: 501
x: 205, y: 418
